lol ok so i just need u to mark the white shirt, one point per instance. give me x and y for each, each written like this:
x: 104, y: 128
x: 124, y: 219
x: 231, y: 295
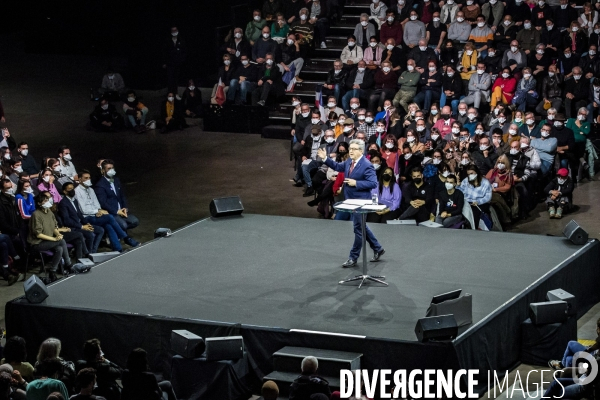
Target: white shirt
x: 68, y: 170
x: 88, y: 202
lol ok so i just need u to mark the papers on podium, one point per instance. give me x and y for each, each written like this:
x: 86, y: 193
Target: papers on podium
x: 373, y: 207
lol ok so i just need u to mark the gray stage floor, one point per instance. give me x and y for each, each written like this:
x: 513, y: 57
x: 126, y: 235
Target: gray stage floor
x: 283, y: 272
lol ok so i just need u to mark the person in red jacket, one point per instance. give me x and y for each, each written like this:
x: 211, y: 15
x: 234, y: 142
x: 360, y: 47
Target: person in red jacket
x: 503, y: 89
x: 391, y: 29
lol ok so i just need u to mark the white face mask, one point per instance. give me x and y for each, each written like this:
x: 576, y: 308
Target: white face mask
x: 315, y: 121
x: 341, y: 121
x: 502, y: 120
x: 481, y: 24
x: 450, y: 74
x: 435, y: 137
x: 47, y: 204
x: 469, y: 2
x: 331, y: 105
x: 46, y: 179
x: 379, y: 129
x: 67, y: 157
x: 266, y: 35
x: 244, y: 62
x: 410, y: 139
x: 541, y: 3
x: 351, y: 44
x: 413, y: 17
x: 465, y: 161
x: 373, y: 44
x: 407, y: 156
x: 360, y: 69
x: 483, y: 147
x: 501, y: 166
x: 563, y: 6
x: 472, y: 177
x: 87, y: 183
x: 333, y: 123
x: 527, y: 26
x: 347, y: 129
x: 592, y: 52
x: 131, y: 99
x: 431, y: 69
x: 389, y: 47
x: 389, y: 145
x: 28, y: 190
x: 581, y: 117
x: 226, y: 62
x: 550, y: 117
x: 390, y: 19
x: 422, y: 48
x: 561, y: 181
x: 506, y: 23
x: 433, y: 112
x: 526, y: 76
x: 597, y: 31
x: 269, y: 62
x: 567, y: 55
x: 111, y: 172
x: 104, y: 106
x: 329, y: 139
x: 24, y: 152
x: 491, y: 53
x: 529, y: 121
x: 337, y: 71
x: 461, y: 19
x: 386, y: 69
x: 174, y: 34
x: 449, y: 186
x: 480, y: 71
x: 111, y: 77
x: 492, y: 2
x: 420, y: 128
x: 171, y: 99
x: 550, y: 74
x: 549, y: 27
x: 577, y: 77
x: 368, y: 120
x: 455, y: 130
x: 545, y: 134
x: 303, y: 17
x: 257, y: 18
x: 436, y: 19
x: 512, y: 132
x: 472, y: 116
x: 238, y: 35
x: 436, y: 161
x: 540, y: 52
x: 306, y: 114
x: 376, y: 166
x: 514, y: 49
x: 469, y: 52
x: 410, y: 67
x: 479, y: 131
x: 19, y: 169
x: 363, y: 23
x: 296, y: 103
x: 290, y: 42
x: 574, y: 29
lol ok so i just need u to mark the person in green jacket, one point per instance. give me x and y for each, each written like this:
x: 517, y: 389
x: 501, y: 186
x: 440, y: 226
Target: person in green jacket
x: 581, y: 129
x: 254, y: 27
x: 408, y: 81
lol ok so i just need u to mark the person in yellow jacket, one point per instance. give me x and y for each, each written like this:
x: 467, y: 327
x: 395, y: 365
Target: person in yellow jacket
x: 468, y: 63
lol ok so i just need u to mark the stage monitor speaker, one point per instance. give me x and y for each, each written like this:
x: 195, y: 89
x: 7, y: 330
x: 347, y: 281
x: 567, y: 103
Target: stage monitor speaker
x: 459, y: 306
x: 561, y: 295
x: 549, y: 312
x: 35, y: 290
x: 187, y: 344
x: 224, y: 348
x: 441, y: 327
x: 225, y: 206
x: 575, y: 233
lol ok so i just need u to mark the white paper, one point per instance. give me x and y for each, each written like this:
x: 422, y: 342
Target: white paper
x: 374, y: 207
x: 358, y: 202
x: 347, y: 207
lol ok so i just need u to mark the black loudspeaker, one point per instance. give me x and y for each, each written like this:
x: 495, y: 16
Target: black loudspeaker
x: 187, y: 344
x: 225, y: 206
x: 549, y: 312
x: 224, y: 348
x: 35, y: 290
x: 442, y: 327
x: 575, y: 233
x: 561, y: 295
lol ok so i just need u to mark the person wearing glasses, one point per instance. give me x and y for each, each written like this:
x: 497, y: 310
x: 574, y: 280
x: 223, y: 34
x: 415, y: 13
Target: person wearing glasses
x: 360, y: 180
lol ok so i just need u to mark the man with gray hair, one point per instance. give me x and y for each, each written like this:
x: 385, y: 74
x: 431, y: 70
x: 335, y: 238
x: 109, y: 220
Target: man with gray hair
x: 309, y: 383
x: 360, y: 180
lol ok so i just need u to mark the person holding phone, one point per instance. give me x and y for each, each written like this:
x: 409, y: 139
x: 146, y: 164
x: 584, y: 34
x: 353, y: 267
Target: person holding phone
x: 360, y: 179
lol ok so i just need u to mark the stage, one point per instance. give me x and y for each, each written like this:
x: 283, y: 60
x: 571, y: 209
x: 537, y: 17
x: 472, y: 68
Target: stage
x: 263, y: 277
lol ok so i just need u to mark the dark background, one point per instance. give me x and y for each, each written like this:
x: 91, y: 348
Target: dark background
x: 131, y: 34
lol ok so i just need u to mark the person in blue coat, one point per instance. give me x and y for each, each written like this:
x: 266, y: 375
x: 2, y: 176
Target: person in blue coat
x: 360, y: 180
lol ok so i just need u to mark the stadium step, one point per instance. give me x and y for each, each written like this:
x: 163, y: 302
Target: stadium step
x: 306, y: 96
x: 342, y: 30
x: 276, y: 131
x: 357, y: 9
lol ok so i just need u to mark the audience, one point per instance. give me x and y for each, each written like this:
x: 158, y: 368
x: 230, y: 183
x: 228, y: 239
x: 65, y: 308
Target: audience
x: 309, y: 383
x: 139, y: 383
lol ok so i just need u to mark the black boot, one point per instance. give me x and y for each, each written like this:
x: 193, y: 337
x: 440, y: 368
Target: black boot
x: 310, y: 191
x: 314, y: 202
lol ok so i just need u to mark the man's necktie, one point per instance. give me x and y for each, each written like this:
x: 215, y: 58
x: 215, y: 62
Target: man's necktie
x: 351, y: 168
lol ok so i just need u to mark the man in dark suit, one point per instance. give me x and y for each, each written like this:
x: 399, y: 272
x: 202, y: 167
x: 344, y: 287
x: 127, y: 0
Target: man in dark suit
x: 360, y: 179
x: 269, y: 82
x: 71, y: 216
x: 111, y: 198
x: 359, y: 83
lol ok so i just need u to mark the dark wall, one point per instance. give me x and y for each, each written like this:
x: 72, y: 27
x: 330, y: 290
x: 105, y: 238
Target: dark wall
x: 133, y: 30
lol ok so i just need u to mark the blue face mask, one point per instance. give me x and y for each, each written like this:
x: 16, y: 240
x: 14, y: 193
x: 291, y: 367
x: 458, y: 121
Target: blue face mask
x: 434, y: 112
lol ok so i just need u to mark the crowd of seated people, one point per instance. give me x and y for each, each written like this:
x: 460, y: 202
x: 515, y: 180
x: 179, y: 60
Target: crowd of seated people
x: 52, y: 208
x: 92, y: 377
x: 504, y: 97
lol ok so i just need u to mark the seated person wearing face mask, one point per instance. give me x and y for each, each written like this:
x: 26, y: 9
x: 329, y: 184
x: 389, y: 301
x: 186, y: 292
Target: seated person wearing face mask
x: 135, y: 112
x: 105, y: 117
x: 502, y: 182
x: 560, y: 192
x: 419, y: 199
x: 389, y: 194
x: 450, y: 202
x: 478, y: 192
x: 172, y: 115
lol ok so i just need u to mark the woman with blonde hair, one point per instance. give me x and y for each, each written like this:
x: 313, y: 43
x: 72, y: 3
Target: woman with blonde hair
x: 50, y: 349
x: 409, y: 118
x: 468, y: 61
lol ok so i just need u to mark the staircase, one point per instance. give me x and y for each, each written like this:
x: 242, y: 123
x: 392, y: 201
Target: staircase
x: 315, y: 69
x: 287, y: 362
